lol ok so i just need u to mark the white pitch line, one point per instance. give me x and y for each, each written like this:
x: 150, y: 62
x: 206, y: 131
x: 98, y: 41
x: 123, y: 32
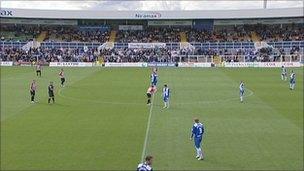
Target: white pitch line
x: 147, y: 131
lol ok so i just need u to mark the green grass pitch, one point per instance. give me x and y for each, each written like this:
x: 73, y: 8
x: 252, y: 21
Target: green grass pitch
x: 100, y: 120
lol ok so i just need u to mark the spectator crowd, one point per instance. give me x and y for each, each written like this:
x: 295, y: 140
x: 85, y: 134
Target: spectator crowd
x: 144, y: 55
x: 268, y: 33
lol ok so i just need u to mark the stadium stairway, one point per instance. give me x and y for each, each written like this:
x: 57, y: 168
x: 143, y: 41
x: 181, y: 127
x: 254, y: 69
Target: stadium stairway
x: 42, y: 36
x: 112, y: 36
x: 255, y: 37
x: 183, y: 37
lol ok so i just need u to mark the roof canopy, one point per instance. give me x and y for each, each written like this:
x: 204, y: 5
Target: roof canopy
x: 204, y: 14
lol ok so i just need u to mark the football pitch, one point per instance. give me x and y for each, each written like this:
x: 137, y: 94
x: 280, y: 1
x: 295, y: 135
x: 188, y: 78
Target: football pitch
x: 100, y: 120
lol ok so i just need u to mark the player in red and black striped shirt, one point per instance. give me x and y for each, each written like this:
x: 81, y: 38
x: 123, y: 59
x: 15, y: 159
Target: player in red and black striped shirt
x: 151, y: 90
x: 38, y: 69
x: 62, y: 78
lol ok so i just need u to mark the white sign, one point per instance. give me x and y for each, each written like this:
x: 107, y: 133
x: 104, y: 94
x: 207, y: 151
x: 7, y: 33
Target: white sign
x: 261, y: 64
x: 241, y: 64
x: 71, y: 64
x: 130, y: 27
x: 279, y: 64
x: 194, y: 64
x: 147, y: 15
x: 6, y: 63
x: 146, y: 45
x: 137, y: 64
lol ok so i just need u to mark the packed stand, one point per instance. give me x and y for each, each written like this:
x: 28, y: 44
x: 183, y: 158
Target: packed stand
x: 219, y: 35
x: 54, y: 33
x: 137, y: 55
x: 266, y: 33
x: 150, y: 34
x: 73, y: 34
x: 271, y: 33
x: 19, y: 33
x: 48, y: 55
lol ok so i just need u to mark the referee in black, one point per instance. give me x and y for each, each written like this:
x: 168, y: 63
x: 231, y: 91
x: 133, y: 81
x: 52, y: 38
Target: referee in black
x: 51, y: 93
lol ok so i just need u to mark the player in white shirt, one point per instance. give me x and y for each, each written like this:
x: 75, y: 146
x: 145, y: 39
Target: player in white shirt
x: 284, y: 74
x: 242, y: 90
x: 166, y: 96
x: 292, y: 81
x: 146, y: 166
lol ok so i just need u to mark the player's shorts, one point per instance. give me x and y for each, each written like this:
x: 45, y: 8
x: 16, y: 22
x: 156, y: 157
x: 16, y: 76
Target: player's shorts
x: 166, y: 99
x: 292, y: 81
x: 154, y: 83
x: 51, y: 94
x: 197, y: 142
x: 242, y: 93
x: 38, y: 71
x: 32, y: 92
x: 149, y: 95
x: 62, y: 80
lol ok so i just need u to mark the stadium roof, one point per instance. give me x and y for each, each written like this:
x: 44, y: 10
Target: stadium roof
x: 148, y: 5
x: 197, y: 14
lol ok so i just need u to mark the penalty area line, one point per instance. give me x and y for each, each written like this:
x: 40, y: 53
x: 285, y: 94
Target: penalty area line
x: 147, y: 130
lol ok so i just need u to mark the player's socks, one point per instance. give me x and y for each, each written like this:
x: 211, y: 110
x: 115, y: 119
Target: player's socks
x: 49, y: 100
x: 197, y: 153
x: 53, y: 100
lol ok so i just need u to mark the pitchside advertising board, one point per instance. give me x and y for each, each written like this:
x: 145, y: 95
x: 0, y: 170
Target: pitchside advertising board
x: 71, y: 64
x: 160, y: 64
x: 261, y: 64
x: 194, y: 64
x: 139, y: 64
x: 6, y: 63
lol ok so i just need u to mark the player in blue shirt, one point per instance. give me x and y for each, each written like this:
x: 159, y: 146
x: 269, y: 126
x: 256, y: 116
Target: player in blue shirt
x: 154, y: 77
x: 197, y: 133
x: 284, y: 74
x: 146, y: 166
x: 292, y: 81
x: 242, y: 90
x: 166, y: 96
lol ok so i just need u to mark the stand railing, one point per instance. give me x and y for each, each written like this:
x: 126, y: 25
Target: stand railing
x: 170, y: 45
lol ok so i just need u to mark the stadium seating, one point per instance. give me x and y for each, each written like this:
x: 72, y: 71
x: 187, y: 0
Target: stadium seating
x: 72, y: 43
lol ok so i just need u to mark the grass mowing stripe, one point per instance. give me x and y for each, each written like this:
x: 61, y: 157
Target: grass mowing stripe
x: 147, y: 131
